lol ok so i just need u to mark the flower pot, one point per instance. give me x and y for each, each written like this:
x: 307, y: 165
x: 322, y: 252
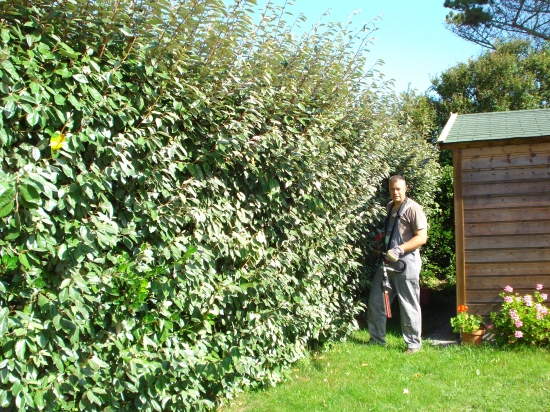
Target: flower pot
x: 472, y: 338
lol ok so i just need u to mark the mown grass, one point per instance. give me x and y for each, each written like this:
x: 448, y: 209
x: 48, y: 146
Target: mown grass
x: 354, y: 376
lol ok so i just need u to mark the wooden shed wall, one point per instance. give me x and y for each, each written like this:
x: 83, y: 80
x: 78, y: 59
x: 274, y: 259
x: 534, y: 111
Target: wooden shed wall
x: 504, y: 194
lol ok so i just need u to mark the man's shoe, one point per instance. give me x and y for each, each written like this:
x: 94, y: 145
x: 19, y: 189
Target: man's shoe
x: 412, y: 350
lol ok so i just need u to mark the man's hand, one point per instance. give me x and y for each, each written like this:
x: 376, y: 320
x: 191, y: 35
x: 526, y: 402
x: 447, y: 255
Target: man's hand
x: 394, y: 254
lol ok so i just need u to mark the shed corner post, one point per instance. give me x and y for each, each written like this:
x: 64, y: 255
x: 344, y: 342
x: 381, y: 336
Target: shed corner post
x: 459, y: 229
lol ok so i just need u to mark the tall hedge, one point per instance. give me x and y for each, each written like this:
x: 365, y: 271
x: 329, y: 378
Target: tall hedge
x: 185, y: 198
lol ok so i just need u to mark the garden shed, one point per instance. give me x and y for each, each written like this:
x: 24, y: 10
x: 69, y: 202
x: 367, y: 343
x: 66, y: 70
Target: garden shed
x: 501, y: 164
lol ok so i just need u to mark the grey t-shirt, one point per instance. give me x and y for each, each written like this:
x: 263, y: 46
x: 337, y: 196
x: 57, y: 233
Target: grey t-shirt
x: 413, y: 219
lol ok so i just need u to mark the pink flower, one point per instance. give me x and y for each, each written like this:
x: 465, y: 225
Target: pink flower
x: 539, y: 286
x: 519, y: 323
x: 490, y: 326
x: 508, y: 299
x: 540, y: 316
x: 508, y: 289
x: 528, y: 300
x: 514, y: 314
x: 544, y: 296
x: 518, y: 334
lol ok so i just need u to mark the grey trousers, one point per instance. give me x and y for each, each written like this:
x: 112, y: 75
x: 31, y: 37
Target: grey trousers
x: 408, y: 294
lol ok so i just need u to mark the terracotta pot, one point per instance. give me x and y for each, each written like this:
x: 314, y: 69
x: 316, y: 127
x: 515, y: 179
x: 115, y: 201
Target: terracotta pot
x: 472, y: 338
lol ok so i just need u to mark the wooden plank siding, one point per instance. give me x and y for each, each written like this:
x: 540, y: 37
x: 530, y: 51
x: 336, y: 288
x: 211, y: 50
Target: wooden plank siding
x: 504, y: 202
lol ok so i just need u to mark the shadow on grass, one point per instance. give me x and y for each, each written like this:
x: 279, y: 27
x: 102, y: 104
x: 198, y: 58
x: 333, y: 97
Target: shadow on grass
x: 436, y: 316
x: 393, y: 326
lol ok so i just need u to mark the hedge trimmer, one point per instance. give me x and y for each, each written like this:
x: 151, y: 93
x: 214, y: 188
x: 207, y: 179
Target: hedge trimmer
x: 386, y: 286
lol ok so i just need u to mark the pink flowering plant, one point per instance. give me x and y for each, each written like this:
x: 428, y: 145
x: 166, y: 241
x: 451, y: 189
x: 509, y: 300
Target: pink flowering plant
x: 522, y: 319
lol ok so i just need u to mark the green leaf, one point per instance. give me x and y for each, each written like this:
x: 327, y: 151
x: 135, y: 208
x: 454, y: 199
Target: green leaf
x: 5, y: 33
x: 4, y: 321
x: 42, y: 300
x: 7, y: 196
x: 67, y: 51
x: 63, y: 295
x: 66, y: 282
x: 29, y: 193
x: 35, y: 153
x: 33, y: 117
x: 58, y: 362
x: 9, y: 67
x: 4, y: 138
x: 74, y: 102
x: 97, y: 363
x: 39, y: 399
x: 7, y: 209
x: 4, y: 398
x: 10, y: 108
x: 29, y: 401
x: 190, y: 250
x: 59, y: 100
x: 91, y: 396
x: 64, y: 72
x: 24, y: 260
x: 9, y: 262
x: 35, y: 87
x: 16, y: 388
x: 20, y: 347
x: 62, y: 251
x: 95, y: 94
x: 80, y: 78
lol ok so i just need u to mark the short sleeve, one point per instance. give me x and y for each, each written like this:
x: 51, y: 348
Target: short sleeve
x: 417, y: 218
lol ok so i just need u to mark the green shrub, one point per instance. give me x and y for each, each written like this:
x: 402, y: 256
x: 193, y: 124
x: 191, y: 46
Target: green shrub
x: 185, y: 199
x: 438, y: 258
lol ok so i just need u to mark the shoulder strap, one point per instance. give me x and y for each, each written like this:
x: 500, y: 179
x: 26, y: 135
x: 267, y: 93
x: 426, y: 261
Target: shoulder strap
x: 400, y: 212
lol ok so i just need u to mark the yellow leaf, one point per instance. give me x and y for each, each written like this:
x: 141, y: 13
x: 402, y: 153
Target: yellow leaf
x: 57, y: 140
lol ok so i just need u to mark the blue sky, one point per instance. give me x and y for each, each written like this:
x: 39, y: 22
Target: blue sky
x: 411, y: 38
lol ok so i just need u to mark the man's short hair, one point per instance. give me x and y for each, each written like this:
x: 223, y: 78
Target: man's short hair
x: 397, y: 178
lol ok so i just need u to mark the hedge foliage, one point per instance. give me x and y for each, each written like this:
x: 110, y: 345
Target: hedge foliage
x: 186, y: 198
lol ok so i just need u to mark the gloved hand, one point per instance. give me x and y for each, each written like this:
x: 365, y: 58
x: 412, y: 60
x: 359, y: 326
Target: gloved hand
x: 394, y: 254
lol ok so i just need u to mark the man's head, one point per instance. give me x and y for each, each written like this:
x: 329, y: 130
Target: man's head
x: 398, y: 188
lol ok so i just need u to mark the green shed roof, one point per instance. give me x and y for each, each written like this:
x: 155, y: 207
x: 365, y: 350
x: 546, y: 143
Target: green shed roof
x: 465, y: 128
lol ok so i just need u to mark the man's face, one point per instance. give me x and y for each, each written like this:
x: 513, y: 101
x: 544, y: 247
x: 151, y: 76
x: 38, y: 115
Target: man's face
x: 397, y: 191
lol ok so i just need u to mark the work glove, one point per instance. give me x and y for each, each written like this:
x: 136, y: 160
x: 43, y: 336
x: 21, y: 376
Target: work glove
x: 394, y: 254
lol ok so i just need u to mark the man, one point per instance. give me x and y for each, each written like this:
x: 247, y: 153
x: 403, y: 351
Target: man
x: 405, y: 231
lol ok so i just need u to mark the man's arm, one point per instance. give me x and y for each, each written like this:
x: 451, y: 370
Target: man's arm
x: 420, y: 238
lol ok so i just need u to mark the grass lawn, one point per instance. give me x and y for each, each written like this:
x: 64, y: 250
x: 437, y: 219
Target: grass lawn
x: 354, y: 376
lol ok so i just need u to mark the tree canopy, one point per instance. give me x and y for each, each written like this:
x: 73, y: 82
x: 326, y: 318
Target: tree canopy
x: 515, y: 76
x: 487, y: 22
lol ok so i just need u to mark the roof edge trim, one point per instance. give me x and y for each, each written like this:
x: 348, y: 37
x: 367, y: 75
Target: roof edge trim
x: 447, y: 128
x: 494, y: 142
